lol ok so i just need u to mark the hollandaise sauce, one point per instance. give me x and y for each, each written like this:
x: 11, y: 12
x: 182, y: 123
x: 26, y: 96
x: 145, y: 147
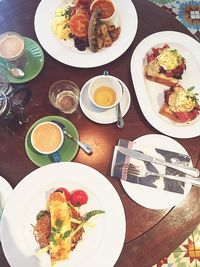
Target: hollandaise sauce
x: 104, y: 96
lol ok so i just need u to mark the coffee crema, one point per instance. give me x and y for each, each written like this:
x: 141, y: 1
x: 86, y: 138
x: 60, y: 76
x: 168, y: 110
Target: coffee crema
x: 104, y: 96
x: 11, y: 46
x: 46, y: 138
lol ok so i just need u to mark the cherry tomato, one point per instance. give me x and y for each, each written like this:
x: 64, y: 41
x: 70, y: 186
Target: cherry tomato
x: 79, y: 25
x: 78, y: 198
x: 65, y: 191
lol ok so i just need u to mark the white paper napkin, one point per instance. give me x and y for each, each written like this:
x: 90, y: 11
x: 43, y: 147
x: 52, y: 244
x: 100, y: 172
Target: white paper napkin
x: 120, y: 163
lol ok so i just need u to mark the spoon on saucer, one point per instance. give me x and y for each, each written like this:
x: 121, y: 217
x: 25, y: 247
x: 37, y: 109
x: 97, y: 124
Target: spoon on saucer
x: 85, y: 147
x: 15, y: 72
x: 120, y: 120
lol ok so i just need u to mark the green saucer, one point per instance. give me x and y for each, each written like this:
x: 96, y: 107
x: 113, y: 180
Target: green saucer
x: 35, y: 63
x: 67, y: 151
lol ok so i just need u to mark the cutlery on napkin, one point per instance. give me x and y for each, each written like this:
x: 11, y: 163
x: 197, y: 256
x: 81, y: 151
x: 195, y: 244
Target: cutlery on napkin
x: 144, y: 157
x: 120, y: 162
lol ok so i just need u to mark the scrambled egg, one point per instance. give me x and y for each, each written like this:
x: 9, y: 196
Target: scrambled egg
x: 60, y: 23
x: 182, y: 100
x: 169, y: 59
x: 60, y: 239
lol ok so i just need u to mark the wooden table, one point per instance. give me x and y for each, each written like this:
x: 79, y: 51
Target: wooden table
x: 151, y: 234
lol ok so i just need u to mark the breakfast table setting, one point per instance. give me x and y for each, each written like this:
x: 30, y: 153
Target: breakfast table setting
x: 100, y: 133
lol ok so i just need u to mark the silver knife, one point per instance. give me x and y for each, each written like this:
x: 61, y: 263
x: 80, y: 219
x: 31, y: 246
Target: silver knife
x: 139, y: 155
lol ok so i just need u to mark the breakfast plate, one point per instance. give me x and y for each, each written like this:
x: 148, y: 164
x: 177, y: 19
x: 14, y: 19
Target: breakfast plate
x: 100, y: 245
x: 150, y: 95
x: 67, y: 151
x: 150, y: 197
x: 5, y: 191
x: 65, y: 52
x: 35, y: 63
x: 103, y: 116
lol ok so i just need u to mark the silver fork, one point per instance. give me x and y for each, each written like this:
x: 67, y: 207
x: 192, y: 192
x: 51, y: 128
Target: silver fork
x: 141, y: 171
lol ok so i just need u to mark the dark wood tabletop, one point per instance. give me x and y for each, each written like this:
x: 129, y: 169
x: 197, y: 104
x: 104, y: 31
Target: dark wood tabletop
x: 150, y: 234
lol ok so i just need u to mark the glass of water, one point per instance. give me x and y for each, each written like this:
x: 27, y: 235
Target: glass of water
x: 64, y: 95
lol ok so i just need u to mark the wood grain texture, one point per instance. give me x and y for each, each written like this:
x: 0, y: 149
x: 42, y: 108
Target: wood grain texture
x: 150, y: 234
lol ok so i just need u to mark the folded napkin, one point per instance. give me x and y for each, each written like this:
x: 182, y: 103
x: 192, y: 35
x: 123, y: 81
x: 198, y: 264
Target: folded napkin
x: 120, y: 163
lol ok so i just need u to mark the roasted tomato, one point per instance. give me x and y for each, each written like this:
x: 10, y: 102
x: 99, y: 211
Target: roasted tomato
x: 79, y: 25
x: 78, y: 198
x: 65, y: 191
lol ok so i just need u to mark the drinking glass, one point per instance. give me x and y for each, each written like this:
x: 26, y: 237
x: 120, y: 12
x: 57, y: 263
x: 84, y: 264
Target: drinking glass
x: 4, y: 83
x: 64, y: 95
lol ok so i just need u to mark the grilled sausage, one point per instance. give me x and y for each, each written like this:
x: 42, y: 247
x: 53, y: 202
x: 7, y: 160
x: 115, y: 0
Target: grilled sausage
x: 93, y: 30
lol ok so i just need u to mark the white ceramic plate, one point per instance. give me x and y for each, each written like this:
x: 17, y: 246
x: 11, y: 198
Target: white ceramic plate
x: 65, y: 52
x: 150, y: 197
x: 5, y: 191
x: 150, y: 95
x: 103, y: 116
x: 100, y: 246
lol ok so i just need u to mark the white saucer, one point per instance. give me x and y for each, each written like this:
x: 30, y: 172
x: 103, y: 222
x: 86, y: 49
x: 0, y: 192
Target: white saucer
x: 103, y: 116
x: 5, y: 190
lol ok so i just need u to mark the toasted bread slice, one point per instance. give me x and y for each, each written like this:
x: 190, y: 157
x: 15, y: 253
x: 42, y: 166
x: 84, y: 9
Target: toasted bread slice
x: 164, y: 65
x: 180, y: 105
x: 160, y: 78
x: 165, y: 111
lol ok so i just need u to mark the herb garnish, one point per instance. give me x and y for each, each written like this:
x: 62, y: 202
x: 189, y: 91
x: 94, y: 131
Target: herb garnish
x: 192, y: 95
x: 66, y: 13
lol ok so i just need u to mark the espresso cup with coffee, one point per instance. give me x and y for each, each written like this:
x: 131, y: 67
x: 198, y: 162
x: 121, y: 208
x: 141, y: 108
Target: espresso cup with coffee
x: 47, y: 138
x: 105, y: 91
x: 12, y: 49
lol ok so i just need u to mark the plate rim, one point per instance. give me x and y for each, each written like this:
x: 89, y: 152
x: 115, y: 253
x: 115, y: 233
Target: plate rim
x: 32, y: 178
x: 5, y: 192
x: 88, y: 60
x: 147, y: 204
x: 138, y: 78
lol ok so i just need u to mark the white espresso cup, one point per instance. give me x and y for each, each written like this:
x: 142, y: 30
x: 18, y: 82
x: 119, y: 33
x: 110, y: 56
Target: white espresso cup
x: 12, y: 49
x: 47, y: 137
x: 105, y: 91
